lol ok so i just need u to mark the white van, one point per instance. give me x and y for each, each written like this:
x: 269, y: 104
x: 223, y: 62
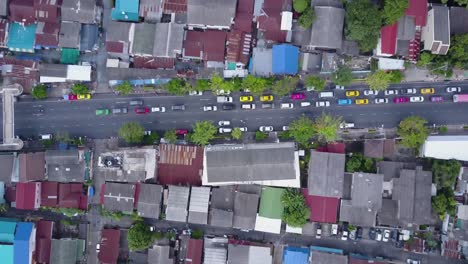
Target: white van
x: 45, y: 136
x: 326, y: 94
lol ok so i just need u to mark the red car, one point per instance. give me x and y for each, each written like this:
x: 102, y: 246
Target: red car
x: 70, y: 97
x: 180, y: 132
x: 142, y: 110
x: 400, y: 100
x: 297, y: 96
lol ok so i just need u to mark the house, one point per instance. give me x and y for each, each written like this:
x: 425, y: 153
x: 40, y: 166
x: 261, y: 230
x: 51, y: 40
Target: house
x: 24, y: 243
x: 246, y: 200
x: 450, y: 248
x: 109, y: 252
x: 436, y: 34
x: 28, y: 195
x: 64, y: 165
x: 67, y: 250
x: 47, y: 35
x: 4, y: 8
x: 198, y: 207
x: 22, y: 11
x: 81, y: 11
x: 69, y: 36
x: 175, y: 7
x: 322, y: 209
x: 126, y: 10
x: 274, y: 164
x: 416, y: 245
x: 118, y: 197
x: 180, y: 165
x: 208, y: 46
x: 24, y: 72
x: 118, y: 43
x: 151, y: 10
x: 89, y: 35
x: 55, y: 73
x: 161, y: 254
x: 3, y: 32
x: 47, y: 10
x: 222, y: 206
x: 149, y: 200
x: 215, y: 250
x: 327, y: 29
x: 285, y: 59
x: 323, y: 255
x: 44, y: 231
x: 269, y: 15
x: 458, y: 20
x: 7, y: 161
x: 379, y: 149
x: 177, y: 203
x: 215, y: 14
x: 262, y: 62
x: 7, y: 238
x: 365, y: 200
x: 21, y: 38
x: 296, y: 255
x: 49, y: 194
x: 311, y: 62
x: 239, y: 39
x: 31, y: 166
x: 270, y: 211
x: 326, y: 174
x: 71, y: 195
x: 194, y: 251
x: 249, y: 254
x: 446, y: 147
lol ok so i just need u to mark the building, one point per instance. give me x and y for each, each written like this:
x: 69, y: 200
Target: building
x: 326, y: 174
x: 151, y: 10
x: 365, y: 200
x: 69, y: 36
x: 458, y: 20
x: 7, y: 238
x: 249, y: 254
x: 7, y: 162
x: 323, y: 255
x: 149, y: 200
x: 327, y: 29
x: 208, y: 46
x: 274, y: 164
x: 47, y: 10
x: 215, y: 14
x: 110, y: 244
x: 269, y: 15
x: 261, y: 62
x: 198, y: 207
x: 180, y: 165
x: 43, y: 241
x: 31, y: 166
x: 215, y: 250
x: 58, y: 73
x: 194, y: 251
x: 446, y: 147
x: 71, y: 195
x: 24, y: 243
x: 161, y: 254
x: 322, y: 209
x: 379, y: 149
x: 4, y: 8
x: 436, y: 34
x: 177, y: 204
x: 222, y: 206
x: 118, y: 43
x: 246, y: 200
x: 89, y: 37
x: 67, y: 250
x: 47, y: 35
x: 270, y: 211
x: 296, y: 255
x: 285, y: 59
x: 118, y: 197
x: 22, y: 11
x: 28, y: 195
x: 65, y: 165
x: 81, y: 11
x: 126, y: 10
x: 21, y: 38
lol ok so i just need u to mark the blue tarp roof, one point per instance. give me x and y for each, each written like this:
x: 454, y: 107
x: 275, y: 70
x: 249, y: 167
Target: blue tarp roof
x: 7, y: 230
x: 22, y: 236
x: 296, y: 255
x: 285, y: 59
x: 21, y: 38
x: 126, y: 10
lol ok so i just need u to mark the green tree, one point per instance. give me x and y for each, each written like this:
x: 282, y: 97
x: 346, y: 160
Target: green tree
x: 444, y: 203
x: 202, y: 85
x: 4, y: 207
x: 284, y: 86
x: 170, y: 136
x: 316, y: 82
x: 203, y: 132
x: 302, y: 130
x: 260, y: 136
x: 216, y: 82
x: 379, y: 80
x: 424, y: 59
x: 79, y: 88
x: 236, y: 133
x: 295, y: 212
x: 394, y: 10
x: 301, y: 5
x: 39, y: 92
x: 413, y: 132
x: 326, y: 127
x: 139, y: 236
x: 363, y: 23
x: 197, y: 234
x: 358, y: 163
x: 458, y: 53
x: 176, y: 87
x: 342, y: 76
x: 132, y: 132
x: 151, y: 138
x: 460, y: 2
x: 307, y: 18
x: 256, y: 85
x: 396, y: 76
x: 445, y: 172
x: 124, y: 88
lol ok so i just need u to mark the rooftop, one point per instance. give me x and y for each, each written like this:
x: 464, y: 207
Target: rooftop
x: 446, y: 147
x: 319, y: 257
x: 69, y: 36
x: 458, y: 20
x: 66, y: 251
x: 177, y: 203
x: 149, y: 200
x: 21, y: 38
x: 160, y: 254
x: 151, y: 10
x: 322, y: 209
x: 245, y: 210
x: 109, y: 252
x: 47, y: 34
x: 82, y: 11
x: 119, y: 196
x: 43, y: 240
x: 89, y: 37
x: 270, y: 203
x: 214, y: 13
x: 285, y: 59
x: 194, y: 251
x: 126, y: 10
x: 207, y: 45
x: 418, y: 10
x: 64, y: 166
x: 262, y: 61
x: 6, y: 163
x: 31, y: 166
x: 180, y: 164
x: 295, y: 255
x: 327, y: 29
x: 247, y: 254
x: 326, y: 173
x: 22, y: 11
x: 199, y: 202
x: 222, y: 206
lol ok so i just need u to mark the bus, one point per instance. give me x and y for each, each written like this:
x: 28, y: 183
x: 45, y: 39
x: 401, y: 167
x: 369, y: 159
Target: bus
x: 460, y: 98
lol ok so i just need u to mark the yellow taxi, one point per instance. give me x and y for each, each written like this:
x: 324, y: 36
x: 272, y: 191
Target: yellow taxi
x: 427, y: 90
x: 362, y: 101
x: 246, y: 98
x: 84, y: 96
x: 352, y: 93
x: 266, y: 98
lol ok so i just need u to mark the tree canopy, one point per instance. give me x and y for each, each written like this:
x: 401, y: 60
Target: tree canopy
x: 256, y: 85
x: 139, y: 236
x: 316, y: 82
x: 445, y: 172
x: 124, y: 88
x: 425, y: 59
x: 326, y: 127
x: 284, y: 86
x: 394, y: 10
x: 301, y: 5
x: 342, y: 76
x: 363, y: 23
x: 202, y: 85
x: 170, y: 136
x: 358, y: 163
x: 458, y: 52
x: 379, y: 80
x: 413, y: 132
x: 306, y: 19
x: 203, y: 132
x: 176, y: 87
x: 132, y: 132
x: 444, y: 202
x: 79, y: 88
x: 236, y: 133
x: 39, y: 92
x: 216, y: 82
x: 295, y: 213
x: 302, y: 130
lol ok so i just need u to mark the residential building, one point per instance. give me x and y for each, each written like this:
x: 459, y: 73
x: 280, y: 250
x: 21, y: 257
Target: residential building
x: 49, y: 194
x: 67, y: 250
x: 24, y: 72
x: 177, y: 204
x: 47, y: 10
x: 4, y: 8
x: 458, y: 20
x: 149, y: 200
x: 215, y: 250
x: 161, y: 254
x: 239, y: 39
x: 175, y: 7
x: 28, y: 195
x: 269, y: 15
x: 326, y: 174
x: 118, y: 196
x: 274, y: 164
x: 7, y: 238
x: 126, y: 10
x: 327, y: 29
x: 21, y: 38
x: 110, y: 244
x: 179, y: 165
x: 69, y: 36
x: 31, y: 166
x: 285, y: 59
x: 194, y: 251
x: 446, y: 147
x: 365, y: 200
x: 151, y: 10
x: 208, y: 46
x: 323, y: 255
x: 24, y: 243
x: 246, y: 200
x: 322, y: 209
x: 22, y: 11
x: 270, y: 211
x: 379, y: 149
x: 198, y: 207
x: 262, y: 62
x: 222, y: 206
x: 249, y: 254
x: 64, y: 165
x: 71, y: 195
x: 216, y: 14
x: 3, y: 32
x: 55, y: 73
x: 7, y: 162
x: 44, y: 231
x: 81, y: 11
x: 296, y: 255
x: 89, y: 35
x: 436, y: 34
x: 118, y: 43
x: 47, y: 35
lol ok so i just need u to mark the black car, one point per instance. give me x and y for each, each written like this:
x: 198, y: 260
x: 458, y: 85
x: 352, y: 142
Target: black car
x: 359, y: 233
x: 372, y: 233
x: 227, y: 107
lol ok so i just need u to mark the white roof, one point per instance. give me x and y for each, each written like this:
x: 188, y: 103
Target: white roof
x: 391, y: 64
x: 78, y: 73
x: 286, y: 20
x: 49, y: 79
x: 294, y: 230
x: 199, y: 199
x: 446, y: 147
x: 268, y: 225
x: 112, y: 63
x: 462, y: 212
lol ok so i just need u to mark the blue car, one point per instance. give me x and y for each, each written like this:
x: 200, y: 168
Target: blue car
x: 344, y: 102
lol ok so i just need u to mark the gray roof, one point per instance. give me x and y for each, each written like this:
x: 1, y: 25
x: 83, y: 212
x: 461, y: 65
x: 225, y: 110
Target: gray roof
x: 350, y: 47
x: 327, y: 29
x: 64, y: 166
x: 300, y: 36
x: 238, y: 254
x: 458, y: 20
x: 391, y: 169
x: 143, y: 39
x: 82, y: 11
x: 120, y: 31
x: 4, y: 8
x: 441, y: 24
x: 69, y: 36
x: 374, y: 148
x: 149, y: 200
x: 66, y: 251
x: 406, y: 28
x: 151, y: 10
x: 245, y: 210
x: 168, y: 40
x: 160, y: 254
x: 249, y: 188
x: 250, y: 162
x: 388, y: 215
x: 6, y: 163
x: 318, y: 257
x: 89, y: 37
x: 221, y: 218
x: 119, y: 197
x: 177, y: 203
x: 223, y: 197
x: 366, y: 200
x: 53, y: 70
x: 198, y: 208
x: 311, y: 62
x: 326, y: 173
x: 215, y: 250
x: 211, y: 12
x: 262, y: 61
x: 402, y: 47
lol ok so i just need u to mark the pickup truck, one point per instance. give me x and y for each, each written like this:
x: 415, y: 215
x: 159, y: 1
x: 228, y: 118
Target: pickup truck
x: 224, y: 99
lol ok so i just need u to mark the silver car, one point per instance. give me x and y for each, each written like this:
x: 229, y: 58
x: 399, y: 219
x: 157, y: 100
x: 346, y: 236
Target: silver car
x: 381, y: 100
x: 322, y: 104
x: 266, y: 129
x: 416, y: 99
x: 453, y: 89
x: 391, y: 92
x: 370, y: 92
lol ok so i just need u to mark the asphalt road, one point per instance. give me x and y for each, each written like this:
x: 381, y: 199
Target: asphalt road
x: 79, y: 119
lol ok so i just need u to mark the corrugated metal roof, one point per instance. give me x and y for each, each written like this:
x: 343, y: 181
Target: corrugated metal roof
x: 199, y: 201
x: 177, y: 203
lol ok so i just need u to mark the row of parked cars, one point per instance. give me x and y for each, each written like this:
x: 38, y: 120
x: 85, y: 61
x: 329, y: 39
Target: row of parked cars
x: 139, y: 108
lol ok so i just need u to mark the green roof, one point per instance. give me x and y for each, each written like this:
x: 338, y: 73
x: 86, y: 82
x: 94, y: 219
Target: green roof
x: 7, y: 231
x: 270, y: 203
x: 66, y: 251
x: 21, y: 38
x: 6, y: 254
x: 69, y: 56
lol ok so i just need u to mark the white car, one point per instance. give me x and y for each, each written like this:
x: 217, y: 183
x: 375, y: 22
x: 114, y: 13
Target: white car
x: 334, y: 229
x: 344, y: 235
x: 266, y: 129
x: 285, y: 128
x: 318, y: 235
x: 413, y: 261
x: 416, y: 99
x: 304, y: 104
x: 322, y: 104
x: 408, y: 91
x: 287, y: 106
x: 147, y: 133
x: 161, y: 109
x: 391, y: 92
x: 339, y: 87
x: 381, y: 100
x: 378, y: 236
x: 197, y: 93
x: 207, y: 108
x: 370, y: 92
x: 98, y: 247
x: 386, y: 235
x: 224, y: 123
x: 346, y: 125
x: 248, y: 106
x: 243, y: 129
x: 223, y: 130
x: 453, y: 89
x: 222, y: 92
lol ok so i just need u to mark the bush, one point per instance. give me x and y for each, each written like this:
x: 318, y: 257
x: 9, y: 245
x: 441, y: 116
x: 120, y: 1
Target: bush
x: 358, y: 163
x: 295, y: 212
x: 132, y: 132
x: 151, y: 139
x: 139, y: 236
x: 39, y: 92
x: 443, y: 129
x: 124, y: 88
x: 260, y: 136
x: 307, y: 18
x: 197, y: 234
x: 301, y: 5
x: 445, y: 172
x: 79, y: 88
x: 170, y: 136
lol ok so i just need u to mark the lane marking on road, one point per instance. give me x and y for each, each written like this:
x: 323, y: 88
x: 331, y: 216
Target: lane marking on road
x: 101, y: 124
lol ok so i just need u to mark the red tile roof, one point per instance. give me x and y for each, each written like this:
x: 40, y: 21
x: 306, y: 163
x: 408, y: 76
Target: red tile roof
x: 245, y: 6
x: 31, y: 166
x: 28, y: 195
x: 194, y: 251
x: 114, y: 46
x: 333, y: 148
x: 49, y: 194
x: 418, y: 9
x: 109, y: 252
x: 207, y: 45
x: 22, y: 11
x: 70, y: 195
x: 451, y: 249
x: 49, y: 35
x: 175, y: 6
x: 10, y: 194
x: 417, y: 245
x: 239, y: 45
x: 388, y: 36
x: 322, y: 209
x: 3, y: 31
x: 43, y: 240
x: 180, y: 164
x: 270, y: 21
x: 153, y: 63
x: 47, y: 10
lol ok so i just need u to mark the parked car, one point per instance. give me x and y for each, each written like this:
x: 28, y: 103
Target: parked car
x: 378, y: 235
x: 453, y: 89
x: 391, y: 92
x: 344, y: 235
x: 346, y: 125
x: 208, y: 108
x: 102, y: 111
x: 352, y: 93
x: 318, y: 234
x: 181, y: 132
x: 344, y: 101
x: 400, y: 100
x: 248, y: 106
x: 196, y: 93
x: 386, y: 235
x: 142, y: 110
x: 372, y: 233
x: 98, y: 247
x: 359, y: 233
x: 416, y: 99
x: 224, y: 123
x: 408, y: 91
x: 267, y: 105
x: 285, y: 128
x: 322, y: 104
x: 413, y: 261
x: 362, y: 101
x: 266, y: 98
x: 427, y: 90
x: 224, y: 99
x: 339, y: 87
x: 38, y: 111
x: 243, y: 129
x: 265, y: 128
x: 222, y: 92
x: 161, y: 109
x: 119, y: 110
x: 246, y: 98
x: 223, y: 130
x: 70, y: 97
x: 229, y: 106
x: 180, y: 107
x: 352, y: 234
x: 297, y: 96
x: 305, y: 104
x: 334, y: 229
x: 381, y: 100
x: 287, y: 106
x: 437, y: 99
x: 84, y: 96
x: 371, y: 92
